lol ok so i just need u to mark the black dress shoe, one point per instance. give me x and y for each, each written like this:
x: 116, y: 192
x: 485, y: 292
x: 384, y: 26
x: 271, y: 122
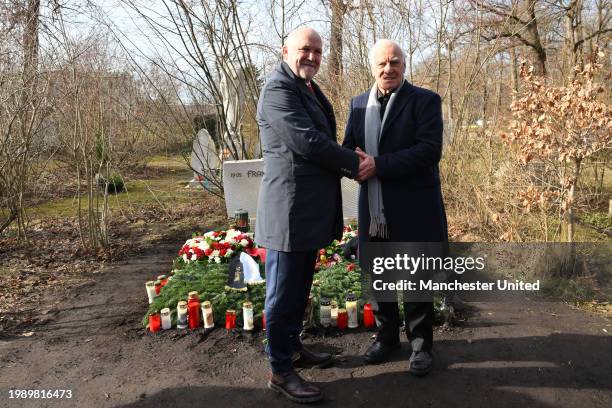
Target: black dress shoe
x: 379, y: 352
x: 420, y: 363
x: 311, y: 358
x: 292, y: 386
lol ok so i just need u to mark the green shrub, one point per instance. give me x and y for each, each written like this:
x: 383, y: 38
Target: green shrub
x: 115, y: 184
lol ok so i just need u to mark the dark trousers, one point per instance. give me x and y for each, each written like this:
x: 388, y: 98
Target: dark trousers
x: 288, y: 282
x: 418, y: 320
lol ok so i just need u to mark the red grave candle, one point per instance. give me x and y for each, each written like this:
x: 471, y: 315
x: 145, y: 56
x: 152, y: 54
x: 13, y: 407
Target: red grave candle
x: 368, y: 316
x: 154, y: 322
x: 193, y: 310
x: 342, y: 319
x: 230, y: 319
x: 158, y: 286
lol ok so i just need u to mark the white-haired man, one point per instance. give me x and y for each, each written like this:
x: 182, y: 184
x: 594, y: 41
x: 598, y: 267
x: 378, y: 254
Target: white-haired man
x: 396, y: 128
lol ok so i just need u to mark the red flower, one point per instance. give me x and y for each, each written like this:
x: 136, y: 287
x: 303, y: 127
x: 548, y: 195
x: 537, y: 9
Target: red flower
x: 252, y: 251
x: 198, y: 252
x: 222, y: 252
x: 208, y: 251
x: 321, y: 252
x: 350, y: 267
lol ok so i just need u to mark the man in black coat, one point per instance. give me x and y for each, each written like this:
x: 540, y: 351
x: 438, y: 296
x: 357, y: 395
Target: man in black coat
x: 397, y: 129
x: 300, y: 203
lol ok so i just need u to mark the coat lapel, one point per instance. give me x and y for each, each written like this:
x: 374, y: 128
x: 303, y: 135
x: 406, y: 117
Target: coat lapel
x: 317, y: 98
x: 398, y: 105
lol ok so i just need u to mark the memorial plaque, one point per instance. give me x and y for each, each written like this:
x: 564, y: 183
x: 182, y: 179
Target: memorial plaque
x: 242, y: 179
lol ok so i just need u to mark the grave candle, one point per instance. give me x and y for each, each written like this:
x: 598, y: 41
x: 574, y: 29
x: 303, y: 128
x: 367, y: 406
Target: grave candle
x: 154, y: 322
x: 342, y: 319
x: 150, y: 285
x: 193, y: 310
x: 181, y: 315
x: 351, y: 309
x: 166, y: 320
x: 334, y: 313
x: 158, y: 286
x: 163, y: 279
x: 230, y: 319
x: 368, y: 316
x: 325, y: 312
x: 247, y: 315
x: 241, y: 218
x: 207, y: 315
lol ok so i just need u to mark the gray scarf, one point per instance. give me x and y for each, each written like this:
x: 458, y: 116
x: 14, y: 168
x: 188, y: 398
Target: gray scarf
x: 373, y: 128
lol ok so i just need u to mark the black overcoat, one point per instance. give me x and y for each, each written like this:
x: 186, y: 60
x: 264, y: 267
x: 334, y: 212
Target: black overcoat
x: 409, y: 151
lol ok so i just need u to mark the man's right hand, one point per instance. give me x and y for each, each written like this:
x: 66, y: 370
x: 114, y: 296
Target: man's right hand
x: 367, y: 166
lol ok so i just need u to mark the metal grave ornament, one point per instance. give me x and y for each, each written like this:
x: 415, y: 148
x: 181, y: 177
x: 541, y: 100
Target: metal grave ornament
x: 235, y: 278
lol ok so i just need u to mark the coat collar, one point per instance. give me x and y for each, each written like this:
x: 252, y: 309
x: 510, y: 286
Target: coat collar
x: 318, y: 98
x: 398, y: 105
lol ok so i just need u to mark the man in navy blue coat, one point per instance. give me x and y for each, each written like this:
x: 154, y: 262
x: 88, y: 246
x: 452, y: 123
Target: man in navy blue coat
x: 300, y: 204
x: 397, y: 129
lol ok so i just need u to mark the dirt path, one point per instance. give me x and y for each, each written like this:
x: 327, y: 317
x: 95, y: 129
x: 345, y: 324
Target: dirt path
x: 528, y: 353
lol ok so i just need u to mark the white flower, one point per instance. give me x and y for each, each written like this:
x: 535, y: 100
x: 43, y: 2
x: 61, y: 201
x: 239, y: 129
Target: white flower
x: 203, y: 245
x: 231, y: 234
x: 228, y: 253
x: 215, y: 254
x: 217, y: 259
x: 185, y: 258
x: 209, y: 234
x: 194, y: 257
x: 244, y: 242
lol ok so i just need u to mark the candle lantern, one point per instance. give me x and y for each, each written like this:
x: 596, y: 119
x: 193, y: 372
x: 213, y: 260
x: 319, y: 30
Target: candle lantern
x: 334, y: 313
x: 368, y: 316
x: 193, y: 310
x: 230, y: 319
x: 154, y: 322
x: 151, y: 293
x: 163, y: 279
x: 342, y: 319
x: 325, y: 312
x: 247, y: 315
x: 181, y: 315
x: 351, y: 310
x: 241, y: 219
x: 166, y: 320
x: 207, y: 315
x: 158, y: 286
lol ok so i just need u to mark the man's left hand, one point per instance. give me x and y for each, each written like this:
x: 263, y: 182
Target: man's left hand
x: 367, y: 166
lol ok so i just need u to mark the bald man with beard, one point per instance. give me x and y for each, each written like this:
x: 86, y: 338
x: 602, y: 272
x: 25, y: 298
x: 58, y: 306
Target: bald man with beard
x: 300, y: 203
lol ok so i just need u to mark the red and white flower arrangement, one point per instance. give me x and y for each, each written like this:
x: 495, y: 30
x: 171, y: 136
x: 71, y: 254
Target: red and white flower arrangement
x: 217, y: 246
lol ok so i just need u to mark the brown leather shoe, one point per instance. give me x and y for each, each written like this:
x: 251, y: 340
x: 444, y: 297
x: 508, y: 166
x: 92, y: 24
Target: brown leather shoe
x: 310, y: 358
x: 292, y: 386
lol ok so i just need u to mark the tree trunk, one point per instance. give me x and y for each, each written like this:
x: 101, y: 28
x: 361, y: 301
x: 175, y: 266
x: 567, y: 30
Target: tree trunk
x: 571, y: 195
x: 338, y: 9
x: 514, y: 70
x: 536, y: 50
